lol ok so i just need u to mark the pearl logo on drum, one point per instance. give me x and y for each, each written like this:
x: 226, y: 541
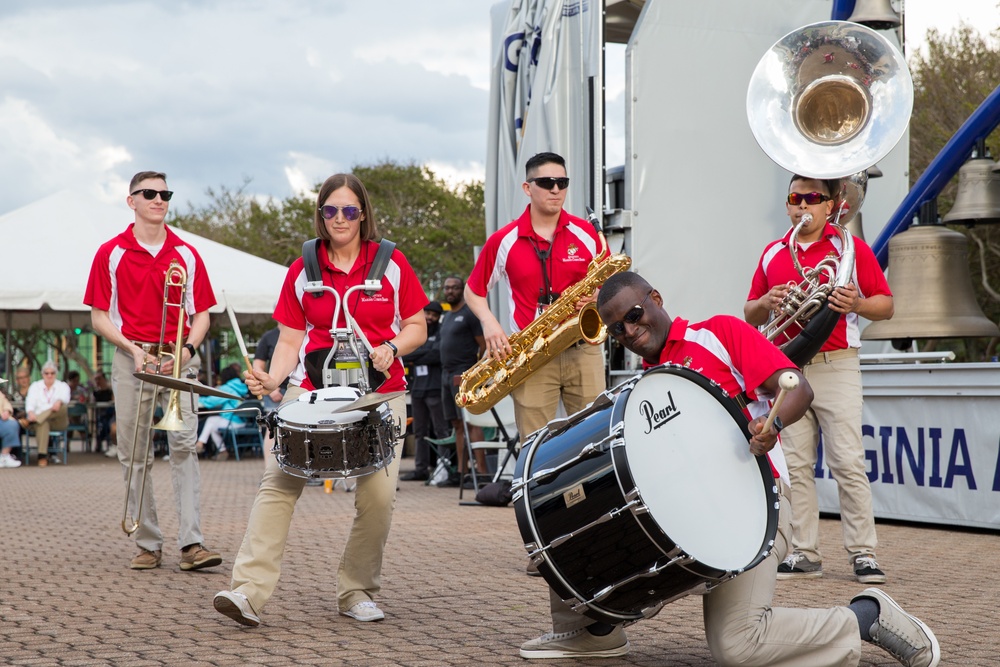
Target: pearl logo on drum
x: 655, y: 418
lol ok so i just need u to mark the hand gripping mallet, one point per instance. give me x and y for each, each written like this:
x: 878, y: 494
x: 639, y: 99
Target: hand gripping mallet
x: 787, y: 382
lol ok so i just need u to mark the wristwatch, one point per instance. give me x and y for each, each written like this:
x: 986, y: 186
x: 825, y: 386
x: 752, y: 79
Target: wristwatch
x: 395, y: 350
x: 190, y: 348
x: 777, y: 425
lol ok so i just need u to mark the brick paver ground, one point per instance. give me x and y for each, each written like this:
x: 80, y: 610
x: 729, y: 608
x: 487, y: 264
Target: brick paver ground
x: 454, y: 588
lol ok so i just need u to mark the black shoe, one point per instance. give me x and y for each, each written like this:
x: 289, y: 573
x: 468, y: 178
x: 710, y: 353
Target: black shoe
x: 467, y: 482
x: 415, y: 476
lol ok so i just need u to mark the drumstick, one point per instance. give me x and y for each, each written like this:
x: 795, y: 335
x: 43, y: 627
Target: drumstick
x: 787, y: 382
x: 239, y: 339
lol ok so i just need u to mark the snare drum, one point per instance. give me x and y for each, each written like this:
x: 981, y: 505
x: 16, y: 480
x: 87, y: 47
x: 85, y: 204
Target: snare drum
x: 313, y: 441
x: 646, y: 496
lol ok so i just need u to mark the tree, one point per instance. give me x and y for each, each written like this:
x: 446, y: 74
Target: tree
x: 951, y: 79
x: 436, y: 226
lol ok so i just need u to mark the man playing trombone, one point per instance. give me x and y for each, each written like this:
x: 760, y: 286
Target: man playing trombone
x: 137, y: 282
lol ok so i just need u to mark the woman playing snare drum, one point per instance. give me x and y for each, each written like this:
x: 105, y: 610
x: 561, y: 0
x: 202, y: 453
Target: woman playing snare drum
x: 393, y: 322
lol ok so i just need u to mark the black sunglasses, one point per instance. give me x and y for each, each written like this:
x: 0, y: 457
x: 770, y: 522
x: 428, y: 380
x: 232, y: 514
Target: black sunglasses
x: 547, y: 182
x: 351, y: 213
x: 631, y: 317
x: 150, y: 194
x: 811, y: 198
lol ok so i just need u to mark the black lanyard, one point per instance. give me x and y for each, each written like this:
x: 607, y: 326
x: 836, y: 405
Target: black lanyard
x: 544, y: 256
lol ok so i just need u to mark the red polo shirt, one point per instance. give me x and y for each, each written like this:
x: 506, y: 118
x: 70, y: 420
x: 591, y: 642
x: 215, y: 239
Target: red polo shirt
x: 510, y: 256
x: 776, y: 268
x: 128, y: 282
x: 732, y: 354
x: 380, y: 316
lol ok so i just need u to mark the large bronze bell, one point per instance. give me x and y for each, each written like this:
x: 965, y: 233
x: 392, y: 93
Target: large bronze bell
x: 876, y: 14
x: 978, y: 198
x: 929, y: 279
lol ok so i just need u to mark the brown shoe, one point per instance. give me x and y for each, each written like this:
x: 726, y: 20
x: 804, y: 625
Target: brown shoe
x: 146, y: 560
x: 42, y: 461
x: 196, y: 557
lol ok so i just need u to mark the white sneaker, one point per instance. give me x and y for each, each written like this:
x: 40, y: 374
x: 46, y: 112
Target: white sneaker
x: 365, y: 611
x: 237, y: 607
x: 8, y: 461
x: 112, y: 452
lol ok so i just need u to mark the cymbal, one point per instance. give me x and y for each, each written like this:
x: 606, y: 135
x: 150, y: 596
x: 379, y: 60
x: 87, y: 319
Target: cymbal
x: 370, y: 401
x: 183, y: 384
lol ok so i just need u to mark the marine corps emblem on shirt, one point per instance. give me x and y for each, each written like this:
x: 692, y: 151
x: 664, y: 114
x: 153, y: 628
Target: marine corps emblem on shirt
x: 571, y: 253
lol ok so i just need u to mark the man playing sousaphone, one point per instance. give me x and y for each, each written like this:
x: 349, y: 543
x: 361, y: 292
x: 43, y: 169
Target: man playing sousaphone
x: 834, y: 373
x: 126, y: 295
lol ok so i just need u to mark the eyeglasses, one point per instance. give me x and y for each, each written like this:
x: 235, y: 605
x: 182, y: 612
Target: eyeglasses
x: 547, y: 182
x: 351, y: 213
x: 150, y: 194
x: 811, y: 198
x: 631, y: 317
x: 48, y: 372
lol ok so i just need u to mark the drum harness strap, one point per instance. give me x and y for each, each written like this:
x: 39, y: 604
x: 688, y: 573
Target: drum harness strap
x: 310, y: 260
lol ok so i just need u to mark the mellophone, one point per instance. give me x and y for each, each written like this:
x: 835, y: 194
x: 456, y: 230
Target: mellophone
x: 647, y: 495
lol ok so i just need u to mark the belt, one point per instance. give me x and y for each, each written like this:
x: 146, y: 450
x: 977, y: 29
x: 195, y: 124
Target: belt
x: 155, y: 348
x: 827, y: 357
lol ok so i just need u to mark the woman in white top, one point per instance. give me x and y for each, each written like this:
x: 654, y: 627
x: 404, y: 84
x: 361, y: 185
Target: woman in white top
x: 47, y: 405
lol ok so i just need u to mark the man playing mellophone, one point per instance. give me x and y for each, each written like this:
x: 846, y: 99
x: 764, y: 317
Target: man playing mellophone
x: 740, y: 625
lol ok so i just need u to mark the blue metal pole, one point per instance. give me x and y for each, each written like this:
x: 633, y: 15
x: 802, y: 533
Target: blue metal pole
x: 945, y: 165
x: 842, y: 10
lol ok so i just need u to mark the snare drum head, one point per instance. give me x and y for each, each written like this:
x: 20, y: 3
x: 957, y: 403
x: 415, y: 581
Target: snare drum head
x: 692, y: 466
x: 317, y: 407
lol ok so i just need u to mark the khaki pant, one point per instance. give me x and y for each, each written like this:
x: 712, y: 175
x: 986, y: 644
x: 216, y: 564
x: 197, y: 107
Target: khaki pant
x: 742, y: 628
x: 836, y: 409
x: 184, y: 471
x: 258, y: 563
x: 45, y: 423
x: 576, y: 376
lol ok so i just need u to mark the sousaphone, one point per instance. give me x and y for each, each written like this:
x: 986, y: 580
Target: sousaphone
x: 827, y: 101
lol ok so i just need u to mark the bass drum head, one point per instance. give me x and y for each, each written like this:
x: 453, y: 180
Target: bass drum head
x: 688, y: 456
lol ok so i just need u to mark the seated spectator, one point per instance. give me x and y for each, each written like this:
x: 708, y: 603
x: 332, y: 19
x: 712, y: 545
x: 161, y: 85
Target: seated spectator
x: 77, y: 391
x: 10, y: 432
x: 102, y: 393
x: 19, y: 392
x: 47, y: 407
x: 211, y: 431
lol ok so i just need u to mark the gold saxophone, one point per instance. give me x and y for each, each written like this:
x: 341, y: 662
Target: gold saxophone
x: 560, y: 326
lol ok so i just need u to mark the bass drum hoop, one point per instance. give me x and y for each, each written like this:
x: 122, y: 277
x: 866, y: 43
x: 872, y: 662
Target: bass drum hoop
x: 648, y: 523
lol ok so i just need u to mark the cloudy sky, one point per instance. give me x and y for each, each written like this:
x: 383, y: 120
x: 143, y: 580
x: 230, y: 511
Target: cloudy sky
x: 283, y: 92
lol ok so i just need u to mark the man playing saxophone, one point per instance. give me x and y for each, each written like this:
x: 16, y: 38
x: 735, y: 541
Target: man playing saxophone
x: 538, y: 256
x: 126, y: 293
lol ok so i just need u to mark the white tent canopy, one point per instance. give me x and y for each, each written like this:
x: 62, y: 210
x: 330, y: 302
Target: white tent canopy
x: 49, y: 245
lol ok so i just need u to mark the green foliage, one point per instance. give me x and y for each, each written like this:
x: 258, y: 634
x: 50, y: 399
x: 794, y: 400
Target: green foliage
x: 951, y: 79
x: 272, y: 230
x: 434, y: 225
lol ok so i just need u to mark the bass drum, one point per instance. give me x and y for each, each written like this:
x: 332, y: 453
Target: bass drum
x: 646, y: 496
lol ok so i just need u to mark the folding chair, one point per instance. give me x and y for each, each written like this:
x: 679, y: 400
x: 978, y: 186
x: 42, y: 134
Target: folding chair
x: 247, y: 435
x: 500, y: 418
x: 442, y: 448
x: 79, y: 423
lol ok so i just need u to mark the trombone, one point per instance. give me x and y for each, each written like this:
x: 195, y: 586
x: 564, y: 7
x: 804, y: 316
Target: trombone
x: 172, y: 419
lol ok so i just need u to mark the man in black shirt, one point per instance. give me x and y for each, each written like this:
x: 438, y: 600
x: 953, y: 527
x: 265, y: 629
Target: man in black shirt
x: 462, y: 345
x: 424, y: 365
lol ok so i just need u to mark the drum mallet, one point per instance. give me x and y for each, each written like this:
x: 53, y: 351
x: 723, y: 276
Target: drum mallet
x: 787, y: 382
